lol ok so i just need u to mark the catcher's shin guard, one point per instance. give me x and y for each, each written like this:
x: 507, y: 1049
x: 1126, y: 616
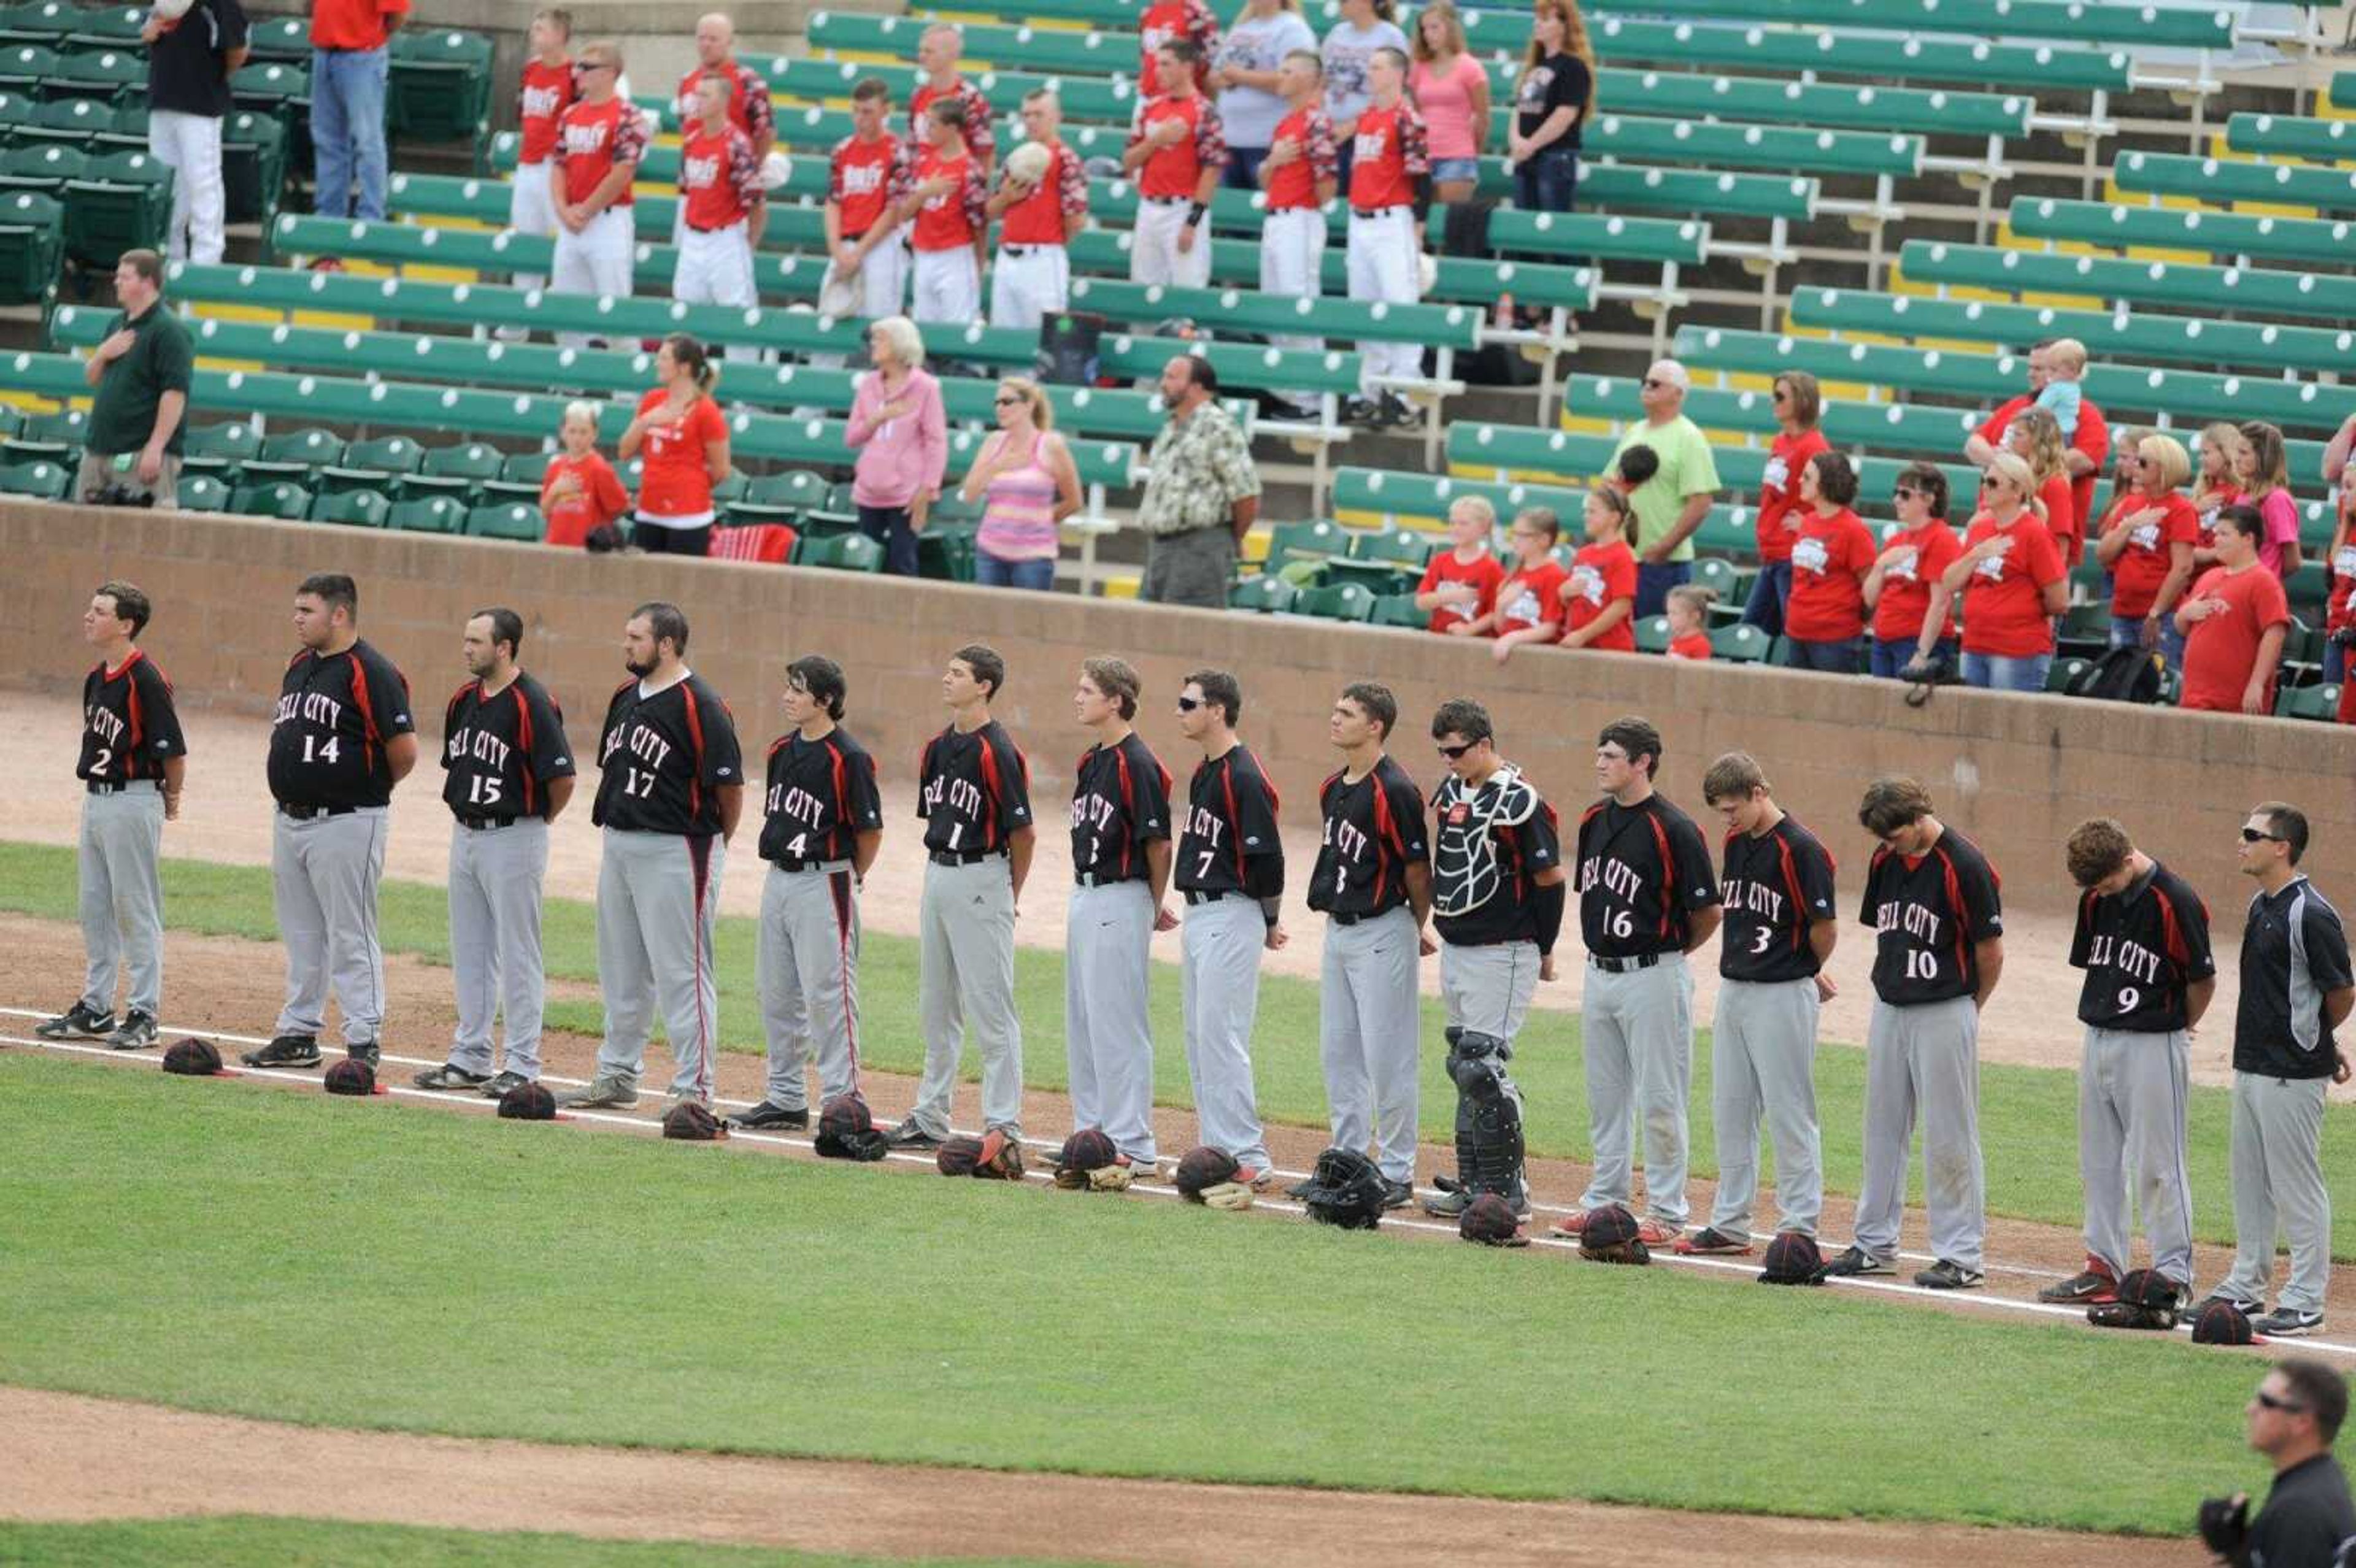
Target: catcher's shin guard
x: 1488, y: 1116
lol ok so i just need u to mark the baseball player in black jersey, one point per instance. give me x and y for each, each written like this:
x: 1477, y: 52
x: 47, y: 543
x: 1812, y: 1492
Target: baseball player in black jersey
x: 1647, y: 896
x: 1372, y: 882
x: 1497, y: 894
x: 2295, y: 990
x: 670, y: 788
x: 823, y: 822
x: 507, y: 773
x: 134, y: 761
x: 2143, y: 940
x: 1779, y: 928
x: 1120, y: 867
x: 1932, y: 903
x: 974, y: 796
x: 341, y: 737
x: 1231, y: 870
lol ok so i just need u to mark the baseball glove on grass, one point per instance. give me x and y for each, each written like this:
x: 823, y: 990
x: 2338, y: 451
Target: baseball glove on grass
x: 1228, y: 1195
x: 1000, y: 1158
x: 1107, y: 1179
x: 2146, y: 1301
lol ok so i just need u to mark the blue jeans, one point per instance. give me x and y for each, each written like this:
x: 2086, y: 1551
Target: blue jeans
x: 1653, y: 583
x: 1771, y: 591
x: 1891, y: 655
x: 2128, y: 634
x: 890, y: 527
x: 1548, y: 182
x: 348, y: 130
x: 1837, y: 656
x: 1996, y: 674
x: 1039, y: 576
x: 1242, y: 172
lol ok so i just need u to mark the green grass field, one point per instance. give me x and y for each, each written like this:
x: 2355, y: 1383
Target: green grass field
x: 2028, y: 1116
x: 373, y: 1265
x: 236, y: 1540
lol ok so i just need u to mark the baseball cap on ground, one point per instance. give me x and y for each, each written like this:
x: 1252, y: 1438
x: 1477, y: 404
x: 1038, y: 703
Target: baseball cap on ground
x: 351, y: 1076
x: 1091, y: 1148
x: 1202, y: 1169
x: 527, y: 1102
x: 2221, y: 1323
x: 1793, y: 1259
x: 1610, y: 1236
x: 846, y: 1130
x: 1489, y: 1220
x: 958, y: 1157
x: 192, y: 1057
x: 694, y: 1121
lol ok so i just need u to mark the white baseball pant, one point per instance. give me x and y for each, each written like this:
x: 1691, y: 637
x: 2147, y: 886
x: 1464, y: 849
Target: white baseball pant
x: 123, y: 897
x: 1382, y: 269
x: 883, y: 285
x: 1763, y: 1055
x: 716, y: 267
x: 658, y: 905
x: 1923, y: 1061
x: 1293, y: 263
x: 323, y: 872
x: 191, y: 144
x: 1153, y: 254
x: 1029, y: 282
x: 948, y: 286
x: 531, y: 210
x: 965, y: 976
x: 2132, y: 1093
x: 600, y: 260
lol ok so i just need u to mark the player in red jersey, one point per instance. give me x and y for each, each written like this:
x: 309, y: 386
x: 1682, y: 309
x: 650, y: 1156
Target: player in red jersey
x: 1038, y: 217
x: 1176, y: 152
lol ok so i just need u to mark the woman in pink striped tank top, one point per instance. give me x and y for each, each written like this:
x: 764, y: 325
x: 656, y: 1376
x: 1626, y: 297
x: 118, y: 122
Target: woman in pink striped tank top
x: 1028, y: 484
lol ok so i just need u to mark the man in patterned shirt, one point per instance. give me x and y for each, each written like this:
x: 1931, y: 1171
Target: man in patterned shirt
x: 1032, y: 277
x: 1176, y: 151
x: 937, y: 56
x: 1202, y: 494
x: 748, y: 96
x: 723, y: 208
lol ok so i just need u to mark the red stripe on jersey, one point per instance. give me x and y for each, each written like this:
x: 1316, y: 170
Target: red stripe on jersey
x: 1235, y: 819
x: 843, y: 824
x: 523, y: 745
x: 1668, y: 869
x: 131, y: 712
x: 989, y: 795
x: 368, y: 711
x: 1127, y: 805
x: 1799, y: 899
x: 1385, y: 830
x: 1955, y: 910
x: 2172, y: 933
x: 695, y: 738
x: 1267, y: 784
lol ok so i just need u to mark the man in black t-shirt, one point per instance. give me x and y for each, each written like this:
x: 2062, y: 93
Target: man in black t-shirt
x: 2309, y: 1520
x: 1647, y: 896
x: 2295, y: 990
x: 190, y: 59
x: 507, y: 773
x: 1231, y: 870
x: 670, y: 788
x: 142, y: 371
x: 2142, y: 938
x: 1934, y: 904
x: 1780, y: 927
x: 340, y: 738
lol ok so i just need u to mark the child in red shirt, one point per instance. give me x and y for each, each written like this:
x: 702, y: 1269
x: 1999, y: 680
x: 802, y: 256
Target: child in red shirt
x: 1689, y: 614
x: 1529, y: 604
x: 2233, y: 623
x: 1599, y: 597
x: 1459, y: 585
x: 580, y: 494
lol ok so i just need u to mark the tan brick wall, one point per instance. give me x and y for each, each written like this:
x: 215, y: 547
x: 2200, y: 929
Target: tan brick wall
x: 2013, y: 772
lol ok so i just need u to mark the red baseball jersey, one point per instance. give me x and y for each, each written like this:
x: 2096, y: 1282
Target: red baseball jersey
x: 719, y: 178
x: 953, y: 217
x: 749, y: 108
x: 1167, y: 20
x: 979, y: 140
x: 866, y: 178
x: 1387, y: 153
x: 543, y: 94
x: 1175, y: 168
x: 595, y: 137
x: 1295, y: 185
x: 1055, y: 206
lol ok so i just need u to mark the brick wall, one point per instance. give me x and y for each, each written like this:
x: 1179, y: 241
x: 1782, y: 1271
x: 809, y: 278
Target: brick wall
x: 2014, y: 773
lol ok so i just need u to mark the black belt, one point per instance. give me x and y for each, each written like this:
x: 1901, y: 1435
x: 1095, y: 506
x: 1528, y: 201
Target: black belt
x: 1378, y: 211
x: 713, y: 228
x: 799, y: 865
x: 1359, y: 919
x: 1097, y: 879
x: 961, y: 857
x: 1020, y: 252
x: 1197, y: 896
x: 1625, y: 966
x: 1166, y: 200
x: 306, y: 813
x: 485, y: 823
x: 112, y: 786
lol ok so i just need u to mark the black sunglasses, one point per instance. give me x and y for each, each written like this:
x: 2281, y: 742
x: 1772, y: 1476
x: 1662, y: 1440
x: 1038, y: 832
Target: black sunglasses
x: 2286, y: 1406
x: 1653, y: 384
x: 2251, y: 836
x: 1904, y: 493
x: 1188, y: 704
x: 1456, y: 753
x: 1006, y: 398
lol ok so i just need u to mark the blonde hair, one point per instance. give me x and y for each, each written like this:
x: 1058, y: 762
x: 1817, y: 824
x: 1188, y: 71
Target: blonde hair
x: 1453, y: 29
x: 1042, y: 412
x: 2128, y: 442
x: 2014, y: 470
x: 1575, y: 42
x: 579, y: 408
x: 907, y: 342
x: 2047, y: 455
x: 1695, y: 596
x: 1473, y: 505
x: 2227, y: 438
x: 2166, y: 454
x: 2273, y: 463
x: 2066, y: 354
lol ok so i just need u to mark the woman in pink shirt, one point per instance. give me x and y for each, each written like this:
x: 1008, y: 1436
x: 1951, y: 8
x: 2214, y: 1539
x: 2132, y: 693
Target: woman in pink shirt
x: 1452, y: 91
x: 2264, y: 473
x: 1028, y: 483
x: 902, y: 436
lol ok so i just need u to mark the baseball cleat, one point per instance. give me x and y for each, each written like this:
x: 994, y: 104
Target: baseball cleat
x: 366, y: 1051
x: 449, y: 1075
x: 1398, y: 1194
x: 1857, y: 1261
x: 1711, y: 1242
x: 1253, y: 1177
x: 2252, y: 1310
x: 1447, y: 1203
x: 76, y: 1022
x: 769, y: 1114
x: 137, y: 1032
x: 498, y: 1088
x: 286, y: 1050
x: 1946, y: 1275
x: 1138, y: 1169
x: 1659, y: 1233
x: 2286, y: 1323
x: 910, y: 1136
x: 1570, y: 1225
x: 2088, y: 1289
x: 602, y: 1095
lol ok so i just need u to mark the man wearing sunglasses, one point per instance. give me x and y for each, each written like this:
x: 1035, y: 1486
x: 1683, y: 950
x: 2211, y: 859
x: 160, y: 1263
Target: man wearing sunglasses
x: 600, y: 138
x: 2295, y: 989
x: 2293, y: 1418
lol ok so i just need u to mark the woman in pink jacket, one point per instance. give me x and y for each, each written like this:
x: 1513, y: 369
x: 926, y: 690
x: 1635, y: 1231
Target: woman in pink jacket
x: 901, y: 434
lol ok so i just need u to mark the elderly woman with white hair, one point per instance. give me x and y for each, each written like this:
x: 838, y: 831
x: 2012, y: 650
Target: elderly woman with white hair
x: 901, y: 434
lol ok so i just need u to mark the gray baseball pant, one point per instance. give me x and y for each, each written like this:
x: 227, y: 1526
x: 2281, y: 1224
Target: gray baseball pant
x: 324, y: 874
x: 1762, y: 1052
x: 1924, y: 1058
x: 1488, y: 989
x: 965, y: 975
x: 654, y: 921
x: 807, y: 969
x: 1367, y: 1026
x: 1637, y: 1029
x: 2132, y: 1093
x: 1107, y: 1040
x: 123, y: 897
x: 1219, y: 948
x: 2278, y: 1176
x: 495, y: 958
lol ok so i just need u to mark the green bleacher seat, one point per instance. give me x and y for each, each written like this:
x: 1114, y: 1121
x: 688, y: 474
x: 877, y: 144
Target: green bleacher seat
x: 35, y: 22
x: 2232, y: 179
x: 1739, y: 643
x: 1717, y: 575
x: 454, y: 472
x: 518, y: 478
x: 1335, y: 601
x: 2180, y: 285
x: 1912, y: 427
x: 107, y: 26
x: 102, y: 75
x: 1315, y: 542
x: 1400, y: 610
x: 27, y: 67
x: 292, y: 454
x: 438, y: 85
x: 360, y: 508
x: 1653, y: 635
x: 41, y: 480
x: 2217, y: 233
x: 1453, y: 327
x: 17, y: 111
x: 2291, y: 135
x: 2144, y: 26
x: 1264, y: 594
x: 372, y: 465
x: 2062, y: 671
x: 842, y: 552
x: 32, y: 242
x: 280, y: 39
x: 77, y: 122
x: 57, y: 437
x: 42, y: 169
x: 278, y: 89
x: 2319, y: 702
x: 280, y: 498
x: 510, y: 520
x: 427, y: 515
x: 202, y: 493
x: 1778, y: 101
x: 121, y: 201
x: 777, y: 499
x: 218, y: 449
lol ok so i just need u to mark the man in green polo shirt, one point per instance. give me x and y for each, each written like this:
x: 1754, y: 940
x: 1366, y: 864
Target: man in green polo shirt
x: 1672, y: 504
x: 142, y: 373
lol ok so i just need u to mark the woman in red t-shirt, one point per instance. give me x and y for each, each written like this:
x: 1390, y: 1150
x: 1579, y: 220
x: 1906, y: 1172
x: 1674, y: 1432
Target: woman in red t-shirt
x: 2012, y: 583
x: 1913, y: 616
x: 685, y: 439
x: 1527, y: 608
x: 1799, y: 403
x: 580, y: 494
x: 2340, y: 614
x: 2234, y: 621
x: 2035, y: 437
x: 2147, y: 547
x: 1599, y: 597
x: 1823, y: 625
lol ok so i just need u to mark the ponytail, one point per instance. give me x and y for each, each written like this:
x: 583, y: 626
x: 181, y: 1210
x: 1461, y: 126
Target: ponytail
x: 690, y: 353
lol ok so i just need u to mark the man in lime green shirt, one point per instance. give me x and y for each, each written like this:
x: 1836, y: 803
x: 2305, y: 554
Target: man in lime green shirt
x: 1672, y: 504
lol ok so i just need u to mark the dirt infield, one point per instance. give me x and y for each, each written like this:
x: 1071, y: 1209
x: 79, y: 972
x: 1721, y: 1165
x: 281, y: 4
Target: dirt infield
x: 73, y: 1460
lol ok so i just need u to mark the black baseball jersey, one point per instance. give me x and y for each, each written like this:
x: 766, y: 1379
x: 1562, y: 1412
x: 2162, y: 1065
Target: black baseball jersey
x: 1777, y: 885
x: 1642, y: 870
x: 130, y: 727
x: 822, y: 795
x: 500, y: 752
x: 1121, y: 803
x: 1374, y: 832
x: 1229, y: 842
x: 336, y: 711
x: 2294, y: 953
x: 974, y: 790
x: 1488, y: 845
x: 664, y: 757
x: 2140, y: 949
x: 1929, y: 913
